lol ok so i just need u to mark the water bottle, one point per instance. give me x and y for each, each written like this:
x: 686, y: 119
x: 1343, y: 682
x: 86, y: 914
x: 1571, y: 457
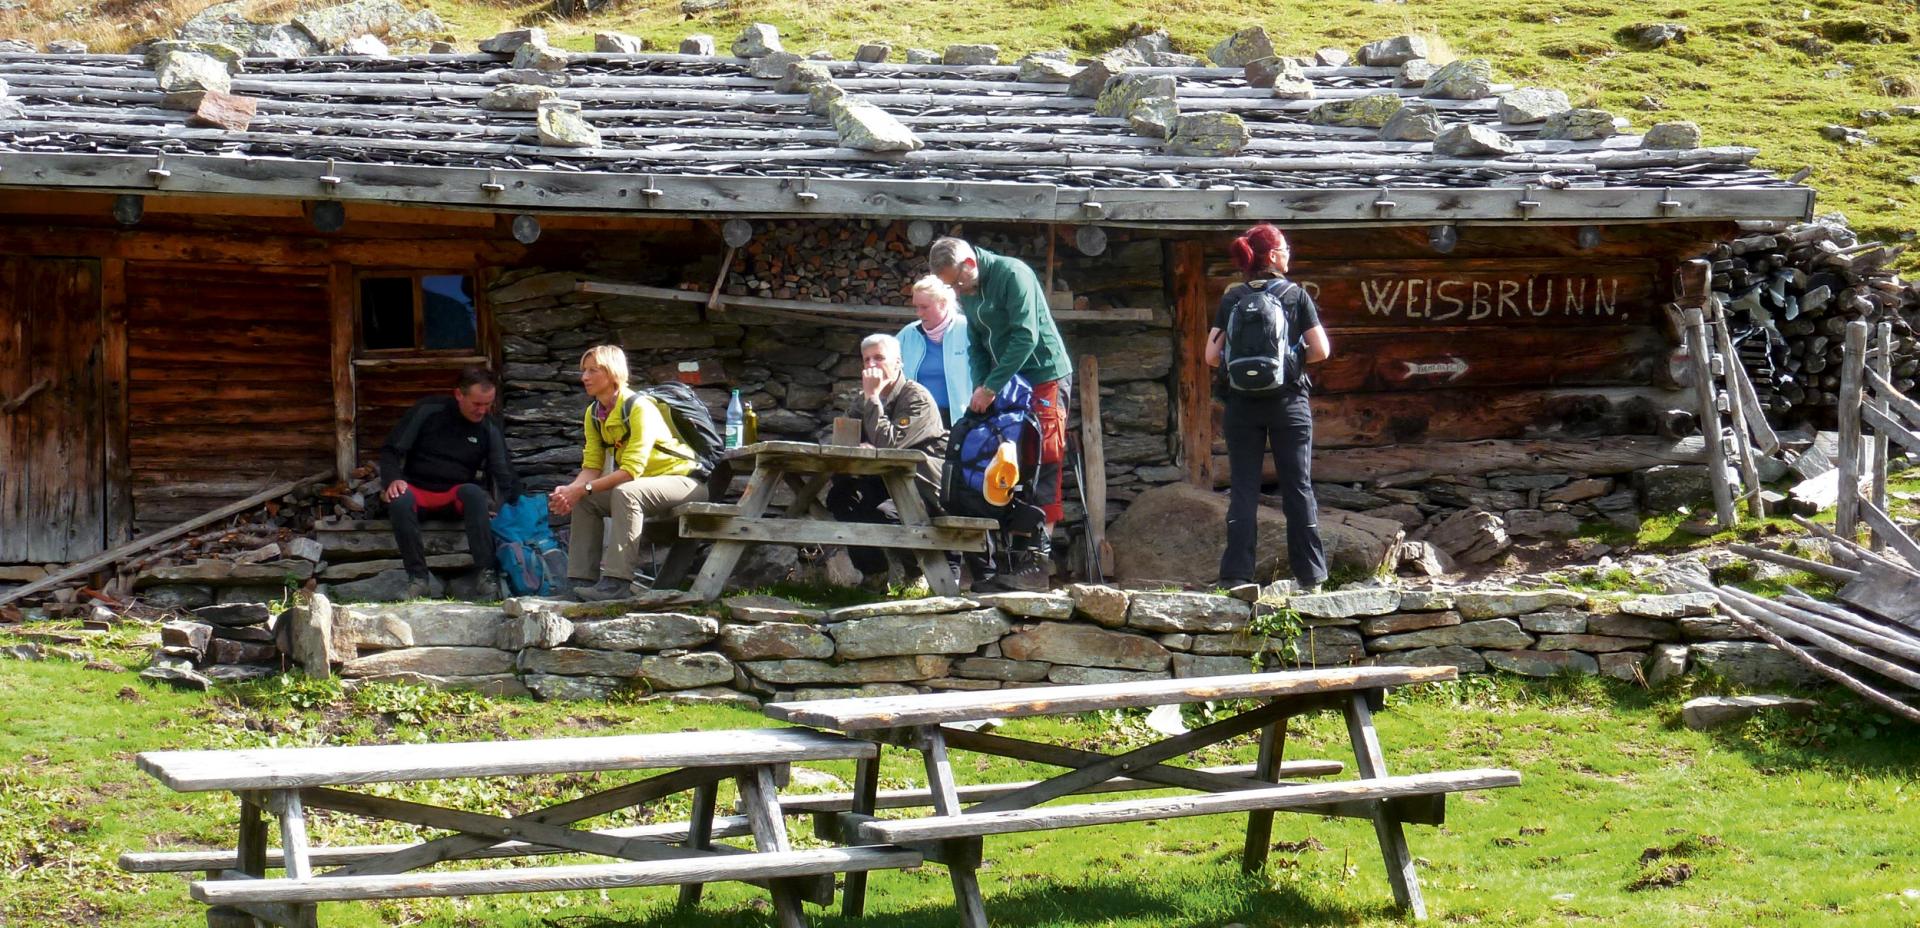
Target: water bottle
x: 736, y: 422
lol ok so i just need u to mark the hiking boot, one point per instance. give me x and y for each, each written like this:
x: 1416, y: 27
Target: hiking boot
x: 419, y: 586
x: 489, y: 586
x: 607, y: 588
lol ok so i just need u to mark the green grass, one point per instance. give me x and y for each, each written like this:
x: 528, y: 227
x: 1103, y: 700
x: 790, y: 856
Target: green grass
x: 1741, y: 74
x: 1779, y: 822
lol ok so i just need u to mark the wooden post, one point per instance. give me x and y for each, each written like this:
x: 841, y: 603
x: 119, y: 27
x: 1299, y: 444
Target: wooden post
x: 1882, y: 365
x: 1742, y: 444
x: 1701, y: 350
x: 1273, y: 749
x: 1853, y: 364
x: 113, y: 306
x: 944, y: 792
x: 1093, y: 470
x: 1192, y: 317
x: 1370, y: 762
x: 346, y: 451
x: 866, y: 789
x: 699, y: 835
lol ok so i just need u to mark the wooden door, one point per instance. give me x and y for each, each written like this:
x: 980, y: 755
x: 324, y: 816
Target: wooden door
x: 53, y: 411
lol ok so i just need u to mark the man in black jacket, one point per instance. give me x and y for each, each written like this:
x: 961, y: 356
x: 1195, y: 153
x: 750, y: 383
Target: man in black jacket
x: 431, y: 464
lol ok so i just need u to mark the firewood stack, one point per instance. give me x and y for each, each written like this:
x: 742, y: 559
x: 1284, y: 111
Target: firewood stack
x: 1790, y: 293
x: 867, y: 262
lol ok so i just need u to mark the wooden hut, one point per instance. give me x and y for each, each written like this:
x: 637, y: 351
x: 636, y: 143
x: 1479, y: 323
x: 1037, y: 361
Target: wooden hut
x: 188, y: 314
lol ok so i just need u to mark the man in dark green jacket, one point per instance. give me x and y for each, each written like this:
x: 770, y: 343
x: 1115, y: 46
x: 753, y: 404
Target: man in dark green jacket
x: 1011, y: 331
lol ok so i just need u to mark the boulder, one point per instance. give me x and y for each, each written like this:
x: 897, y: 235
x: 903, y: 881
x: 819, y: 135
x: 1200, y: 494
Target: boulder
x: 878, y: 670
x: 1332, y: 57
x: 1093, y: 78
x: 698, y: 44
x: 509, y: 42
x: 1472, y: 140
x: 310, y: 630
x: 580, y: 662
x: 1392, y: 53
x: 1420, y: 559
x: 1466, y: 659
x: 1098, y: 603
x: 334, y: 26
x: 1369, y: 112
x: 1036, y: 69
x: 1414, y: 122
x: 686, y: 671
x: 1187, y: 612
x: 229, y: 56
x: 1461, y: 79
x: 1487, y: 633
x: 1398, y: 622
x: 182, y: 70
x: 1707, y: 712
x: 1234, y: 51
x: 873, y: 52
x: 758, y: 40
x: 1176, y: 533
x: 1672, y: 136
x: 891, y: 635
x: 775, y: 641
x: 922, y: 56
x: 1153, y: 117
x: 1542, y: 663
x: 192, y: 636
x: 1470, y: 535
x: 1751, y: 663
x: 562, y: 126
x: 1666, y: 662
x: 1121, y: 93
x: 773, y: 65
x: 1341, y: 604
x: 1653, y: 35
x: 1059, y: 643
x: 1667, y: 487
x: 1579, y: 125
x: 226, y: 651
x: 1031, y: 605
x: 618, y: 43
x: 1531, y: 104
x: 1535, y: 523
x: 365, y: 46
x: 867, y: 127
x: 439, y: 662
x: 1414, y: 73
x: 539, y: 56
x: 1283, y: 75
x: 976, y: 54
x: 517, y: 98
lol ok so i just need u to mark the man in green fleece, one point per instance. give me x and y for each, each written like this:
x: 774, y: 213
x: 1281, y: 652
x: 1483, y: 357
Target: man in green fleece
x: 1010, y: 331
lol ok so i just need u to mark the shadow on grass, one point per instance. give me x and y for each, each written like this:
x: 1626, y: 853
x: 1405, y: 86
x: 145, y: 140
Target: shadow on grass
x: 1203, y: 903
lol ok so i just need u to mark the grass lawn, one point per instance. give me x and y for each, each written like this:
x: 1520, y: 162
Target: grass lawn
x: 1777, y: 822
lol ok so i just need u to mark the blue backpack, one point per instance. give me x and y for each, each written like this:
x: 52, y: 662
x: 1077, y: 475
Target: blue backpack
x: 975, y: 438
x: 531, y: 561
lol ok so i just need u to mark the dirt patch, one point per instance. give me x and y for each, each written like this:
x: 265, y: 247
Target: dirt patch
x: 1669, y: 875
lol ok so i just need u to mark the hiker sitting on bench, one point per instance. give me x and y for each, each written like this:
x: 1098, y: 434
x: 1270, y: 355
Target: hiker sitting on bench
x: 633, y: 467
x: 894, y: 412
x: 430, y: 464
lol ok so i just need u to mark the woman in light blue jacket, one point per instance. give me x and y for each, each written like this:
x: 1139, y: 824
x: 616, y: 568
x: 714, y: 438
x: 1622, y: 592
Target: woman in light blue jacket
x: 933, y: 350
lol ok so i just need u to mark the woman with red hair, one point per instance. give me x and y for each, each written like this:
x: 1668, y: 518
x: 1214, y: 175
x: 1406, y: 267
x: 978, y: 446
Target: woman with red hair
x: 1264, y: 334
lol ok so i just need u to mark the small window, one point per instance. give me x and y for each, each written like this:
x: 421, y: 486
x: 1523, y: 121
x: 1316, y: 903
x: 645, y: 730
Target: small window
x: 418, y: 312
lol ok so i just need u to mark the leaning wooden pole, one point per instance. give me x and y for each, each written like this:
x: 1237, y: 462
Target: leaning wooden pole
x: 1701, y: 351
x: 1742, y: 443
x: 1882, y: 365
x: 135, y: 547
x: 1846, y: 518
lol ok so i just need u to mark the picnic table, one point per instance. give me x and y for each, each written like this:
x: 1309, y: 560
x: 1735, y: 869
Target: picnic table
x: 286, y: 782
x: 807, y: 469
x: 952, y: 835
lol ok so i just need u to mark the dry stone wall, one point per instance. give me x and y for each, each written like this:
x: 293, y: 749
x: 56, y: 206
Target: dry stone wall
x: 756, y: 647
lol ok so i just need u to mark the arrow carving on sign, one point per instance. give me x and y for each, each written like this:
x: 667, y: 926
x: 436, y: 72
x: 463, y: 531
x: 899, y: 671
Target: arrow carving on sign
x: 1453, y: 367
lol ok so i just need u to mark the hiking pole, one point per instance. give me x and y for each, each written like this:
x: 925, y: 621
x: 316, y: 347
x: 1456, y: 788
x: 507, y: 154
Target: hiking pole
x: 1092, y: 566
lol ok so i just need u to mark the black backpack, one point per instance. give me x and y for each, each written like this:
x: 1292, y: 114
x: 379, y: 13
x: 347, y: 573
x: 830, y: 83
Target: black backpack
x: 690, y: 420
x: 1259, y: 355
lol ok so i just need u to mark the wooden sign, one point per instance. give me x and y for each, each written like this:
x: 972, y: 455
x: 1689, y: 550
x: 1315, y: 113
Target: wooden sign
x: 1367, y: 359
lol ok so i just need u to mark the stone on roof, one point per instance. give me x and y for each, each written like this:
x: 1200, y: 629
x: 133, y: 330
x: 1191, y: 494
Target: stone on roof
x: 618, y: 43
x: 1369, y: 112
x: 1394, y: 52
x: 1529, y: 105
x: 1209, y: 134
x: 1461, y: 79
x: 1234, y: 51
x: 1467, y: 140
x: 1579, y: 125
x: 758, y: 40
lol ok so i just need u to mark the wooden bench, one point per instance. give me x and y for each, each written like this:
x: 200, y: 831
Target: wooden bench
x: 285, y: 782
x: 952, y: 835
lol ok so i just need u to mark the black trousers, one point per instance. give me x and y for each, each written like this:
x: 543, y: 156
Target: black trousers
x: 863, y: 499
x: 405, y: 512
x: 1284, y: 423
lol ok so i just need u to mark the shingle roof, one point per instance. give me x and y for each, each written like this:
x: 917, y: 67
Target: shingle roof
x: 674, y: 121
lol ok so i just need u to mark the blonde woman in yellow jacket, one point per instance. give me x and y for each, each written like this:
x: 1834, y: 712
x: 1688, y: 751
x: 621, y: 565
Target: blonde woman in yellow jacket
x: 633, y: 467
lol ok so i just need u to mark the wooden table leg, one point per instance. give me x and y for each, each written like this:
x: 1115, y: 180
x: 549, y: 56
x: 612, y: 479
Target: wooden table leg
x: 725, y: 555
x: 866, y: 788
x: 760, y: 799
x: 1393, y: 838
x: 967, y: 902
x: 699, y: 834
x: 906, y: 501
x: 1273, y: 745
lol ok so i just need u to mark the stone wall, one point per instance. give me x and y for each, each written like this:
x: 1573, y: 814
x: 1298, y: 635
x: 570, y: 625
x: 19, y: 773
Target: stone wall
x: 753, y: 648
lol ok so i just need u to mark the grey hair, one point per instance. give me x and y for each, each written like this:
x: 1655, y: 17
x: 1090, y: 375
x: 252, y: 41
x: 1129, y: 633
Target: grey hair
x: 948, y: 252
x: 887, y: 343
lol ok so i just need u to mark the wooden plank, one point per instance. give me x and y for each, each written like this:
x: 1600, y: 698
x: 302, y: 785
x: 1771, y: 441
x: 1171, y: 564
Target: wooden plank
x: 1371, y: 763
x: 1885, y: 424
x: 1502, y: 292
x: 1401, y: 359
x: 1817, y: 568
x: 1699, y: 350
x: 961, y: 872
x: 1093, y: 470
x: 16, y: 440
x: 934, y: 708
x: 1193, y: 397
x: 1267, y: 766
x: 557, y: 879
x: 858, y: 311
x: 340, y: 303
x: 293, y: 834
x: 113, y: 352
x: 1742, y: 443
x: 135, y: 547
x: 1890, y: 532
x: 1846, y: 517
x: 66, y: 426
x: 1897, y: 401
x: 1877, y: 453
x: 725, y: 555
x: 863, y: 800
x: 759, y: 800
x: 1345, y: 420
x: 700, y: 833
x: 725, y: 826
x: 1021, y: 821
x: 1761, y: 429
x: 285, y: 768
x: 968, y: 794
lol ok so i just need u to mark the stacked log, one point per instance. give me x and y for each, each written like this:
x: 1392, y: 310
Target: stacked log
x: 863, y: 262
x: 1790, y: 292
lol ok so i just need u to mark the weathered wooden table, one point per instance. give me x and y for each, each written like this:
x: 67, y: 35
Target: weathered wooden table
x: 285, y: 782
x: 808, y: 469
x: 952, y: 835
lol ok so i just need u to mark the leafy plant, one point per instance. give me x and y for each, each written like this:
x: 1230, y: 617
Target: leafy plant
x: 1276, y: 627
x: 406, y: 704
